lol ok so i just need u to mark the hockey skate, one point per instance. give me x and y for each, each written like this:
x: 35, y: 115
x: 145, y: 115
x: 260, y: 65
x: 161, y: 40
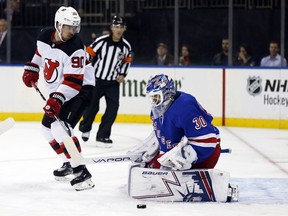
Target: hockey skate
x: 233, y: 193
x: 104, y: 142
x: 63, y: 172
x: 83, y: 178
x: 85, y: 136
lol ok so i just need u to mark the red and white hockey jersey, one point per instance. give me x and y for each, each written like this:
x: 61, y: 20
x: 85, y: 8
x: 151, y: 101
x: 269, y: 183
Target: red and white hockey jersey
x: 63, y: 63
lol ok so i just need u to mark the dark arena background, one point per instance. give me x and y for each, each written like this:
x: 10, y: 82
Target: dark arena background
x: 202, y: 24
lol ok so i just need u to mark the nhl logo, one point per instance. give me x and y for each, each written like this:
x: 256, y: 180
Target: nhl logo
x: 254, y: 86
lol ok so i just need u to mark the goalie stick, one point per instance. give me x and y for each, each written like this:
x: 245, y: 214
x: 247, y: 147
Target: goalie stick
x: 6, y: 125
x: 71, y: 148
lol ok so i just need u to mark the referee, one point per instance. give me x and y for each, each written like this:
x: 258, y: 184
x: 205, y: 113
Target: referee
x: 111, y: 58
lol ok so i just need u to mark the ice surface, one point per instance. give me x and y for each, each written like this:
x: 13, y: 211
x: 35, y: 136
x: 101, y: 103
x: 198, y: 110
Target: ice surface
x: 258, y: 164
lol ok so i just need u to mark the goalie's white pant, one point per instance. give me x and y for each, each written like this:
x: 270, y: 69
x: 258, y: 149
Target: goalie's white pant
x: 203, y: 185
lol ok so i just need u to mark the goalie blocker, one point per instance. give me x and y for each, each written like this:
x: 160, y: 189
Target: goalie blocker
x: 203, y: 185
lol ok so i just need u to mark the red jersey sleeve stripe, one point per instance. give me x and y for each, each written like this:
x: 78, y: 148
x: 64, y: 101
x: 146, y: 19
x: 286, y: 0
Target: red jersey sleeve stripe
x: 37, y: 53
x: 209, y: 140
x: 74, y: 81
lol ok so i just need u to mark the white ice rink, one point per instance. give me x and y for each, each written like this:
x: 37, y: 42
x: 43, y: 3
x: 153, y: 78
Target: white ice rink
x: 258, y: 164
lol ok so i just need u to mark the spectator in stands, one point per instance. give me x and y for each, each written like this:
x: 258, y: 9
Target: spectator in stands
x: 245, y: 56
x: 274, y: 59
x: 15, y: 11
x: 221, y: 59
x: 78, y: 5
x: 93, y: 36
x: 3, y: 43
x: 163, y: 57
x: 104, y: 31
x: 185, y: 55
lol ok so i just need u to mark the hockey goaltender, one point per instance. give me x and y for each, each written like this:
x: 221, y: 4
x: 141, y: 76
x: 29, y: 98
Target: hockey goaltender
x: 176, y: 162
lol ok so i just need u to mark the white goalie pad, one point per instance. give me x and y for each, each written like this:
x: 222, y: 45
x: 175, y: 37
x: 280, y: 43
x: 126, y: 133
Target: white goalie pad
x: 145, y: 151
x: 203, y: 185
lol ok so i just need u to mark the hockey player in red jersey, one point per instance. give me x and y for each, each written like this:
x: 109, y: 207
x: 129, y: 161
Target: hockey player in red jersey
x: 61, y: 54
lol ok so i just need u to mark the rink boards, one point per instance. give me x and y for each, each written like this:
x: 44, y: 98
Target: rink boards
x: 255, y: 97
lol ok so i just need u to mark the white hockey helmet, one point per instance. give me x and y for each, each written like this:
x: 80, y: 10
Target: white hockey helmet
x: 67, y: 16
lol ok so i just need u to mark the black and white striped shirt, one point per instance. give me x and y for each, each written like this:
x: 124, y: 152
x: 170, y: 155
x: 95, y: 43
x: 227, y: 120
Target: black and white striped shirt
x: 110, y: 58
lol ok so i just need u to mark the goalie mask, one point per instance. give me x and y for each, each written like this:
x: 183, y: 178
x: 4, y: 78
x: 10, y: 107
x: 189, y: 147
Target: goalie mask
x: 67, y: 16
x: 161, y: 91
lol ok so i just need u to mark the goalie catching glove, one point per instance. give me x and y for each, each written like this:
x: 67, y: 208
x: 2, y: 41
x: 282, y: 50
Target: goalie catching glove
x: 31, y: 74
x: 181, y: 157
x: 146, y: 151
x: 53, y: 104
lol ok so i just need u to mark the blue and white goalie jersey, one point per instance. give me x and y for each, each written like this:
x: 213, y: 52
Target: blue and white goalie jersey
x: 186, y: 117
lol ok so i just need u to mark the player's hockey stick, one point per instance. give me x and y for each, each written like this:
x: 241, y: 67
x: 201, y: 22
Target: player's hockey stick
x: 73, y: 151
x: 55, y: 116
x: 70, y: 145
x: 6, y: 125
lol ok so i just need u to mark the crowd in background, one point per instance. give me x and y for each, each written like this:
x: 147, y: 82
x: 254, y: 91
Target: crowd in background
x: 3, y: 43
x: 159, y: 50
x: 243, y: 57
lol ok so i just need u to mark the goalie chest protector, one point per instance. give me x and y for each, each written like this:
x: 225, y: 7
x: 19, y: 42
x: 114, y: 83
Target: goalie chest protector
x: 203, y: 185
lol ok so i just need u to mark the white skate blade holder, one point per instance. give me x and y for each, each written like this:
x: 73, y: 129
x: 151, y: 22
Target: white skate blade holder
x: 85, y: 185
x: 103, y: 145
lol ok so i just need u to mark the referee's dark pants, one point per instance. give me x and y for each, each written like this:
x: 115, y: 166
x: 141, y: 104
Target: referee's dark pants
x: 110, y: 90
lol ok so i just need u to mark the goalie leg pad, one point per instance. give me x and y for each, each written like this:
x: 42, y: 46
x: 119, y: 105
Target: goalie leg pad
x: 205, y: 185
x: 145, y: 151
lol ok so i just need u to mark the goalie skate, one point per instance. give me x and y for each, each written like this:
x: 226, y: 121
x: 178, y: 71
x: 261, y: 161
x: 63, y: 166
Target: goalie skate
x: 83, y: 179
x: 64, y: 172
x: 233, y: 193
